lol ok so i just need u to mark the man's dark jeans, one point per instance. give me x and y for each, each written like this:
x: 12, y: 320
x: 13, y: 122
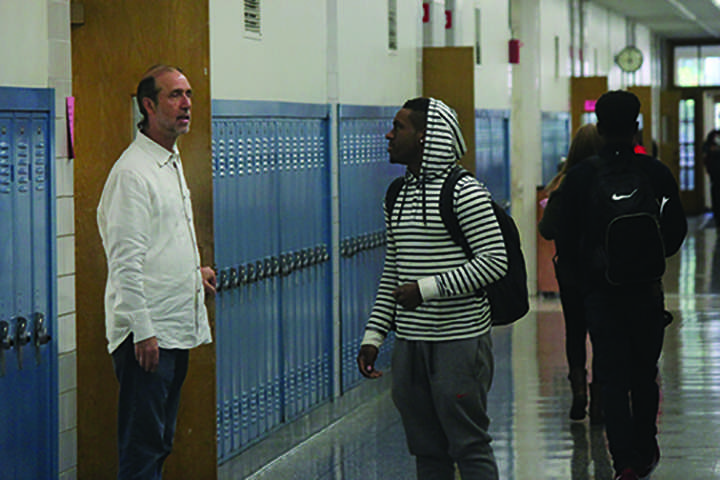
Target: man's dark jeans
x: 147, y: 410
x: 627, y: 329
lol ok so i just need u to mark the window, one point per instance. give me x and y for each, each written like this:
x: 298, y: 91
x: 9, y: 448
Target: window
x: 687, y: 145
x: 252, y: 19
x: 392, y: 25
x: 478, y: 30
x: 697, y: 65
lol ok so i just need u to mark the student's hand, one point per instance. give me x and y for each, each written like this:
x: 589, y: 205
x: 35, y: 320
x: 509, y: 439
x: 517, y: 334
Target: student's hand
x: 366, y: 361
x: 408, y: 295
x: 147, y: 353
x: 208, y: 276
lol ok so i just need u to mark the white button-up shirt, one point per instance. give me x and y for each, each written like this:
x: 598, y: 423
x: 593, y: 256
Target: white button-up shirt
x: 154, y: 284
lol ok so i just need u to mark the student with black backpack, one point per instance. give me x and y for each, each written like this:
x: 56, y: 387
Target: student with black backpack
x: 620, y: 217
x: 442, y: 364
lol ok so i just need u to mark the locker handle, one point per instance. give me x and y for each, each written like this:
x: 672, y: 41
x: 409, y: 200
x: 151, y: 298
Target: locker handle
x: 6, y: 341
x: 242, y: 275
x: 22, y: 338
x: 234, y: 280
x: 250, y: 269
x: 223, y: 280
x: 22, y: 335
x: 276, y: 267
x: 42, y: 337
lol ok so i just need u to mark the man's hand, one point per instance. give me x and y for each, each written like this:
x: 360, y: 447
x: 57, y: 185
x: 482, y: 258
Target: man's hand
x: 208, y: 276
x: 408, y: 295
x: 147, y: 354
x: 366, y: 361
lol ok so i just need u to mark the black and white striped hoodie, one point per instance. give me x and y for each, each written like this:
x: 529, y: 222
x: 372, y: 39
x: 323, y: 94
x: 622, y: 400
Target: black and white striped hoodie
x: 420, y: 249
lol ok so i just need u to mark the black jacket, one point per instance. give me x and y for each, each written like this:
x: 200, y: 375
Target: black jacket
x: 577, y: 234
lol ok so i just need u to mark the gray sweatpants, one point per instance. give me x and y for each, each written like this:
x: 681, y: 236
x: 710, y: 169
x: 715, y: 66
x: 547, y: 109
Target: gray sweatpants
x: 440, y: 390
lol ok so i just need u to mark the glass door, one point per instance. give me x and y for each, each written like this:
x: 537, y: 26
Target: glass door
x: 687, y: 144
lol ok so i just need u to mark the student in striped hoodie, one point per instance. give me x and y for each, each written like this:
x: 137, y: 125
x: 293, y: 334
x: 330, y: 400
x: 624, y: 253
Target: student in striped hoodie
x: 442, y: 363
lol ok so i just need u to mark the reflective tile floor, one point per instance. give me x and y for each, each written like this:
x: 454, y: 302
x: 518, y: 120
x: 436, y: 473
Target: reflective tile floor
x: 530, y: 399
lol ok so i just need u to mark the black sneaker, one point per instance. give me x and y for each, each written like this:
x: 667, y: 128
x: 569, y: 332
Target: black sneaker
x: 627, y: 474
x: 647, y: 469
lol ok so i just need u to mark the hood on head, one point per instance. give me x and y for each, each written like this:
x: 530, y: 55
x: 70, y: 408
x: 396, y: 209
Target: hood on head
x: 444, y: 143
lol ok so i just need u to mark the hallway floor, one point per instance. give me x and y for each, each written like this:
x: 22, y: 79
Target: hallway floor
x: 530, y: 399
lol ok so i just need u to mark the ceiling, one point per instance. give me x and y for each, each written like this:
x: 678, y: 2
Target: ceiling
x: 672, y: 19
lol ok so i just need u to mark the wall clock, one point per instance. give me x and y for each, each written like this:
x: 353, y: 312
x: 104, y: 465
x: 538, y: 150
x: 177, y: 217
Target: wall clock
x: 630, y: 59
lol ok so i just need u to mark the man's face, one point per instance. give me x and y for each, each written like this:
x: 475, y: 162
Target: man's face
x: 404, y: 143
x: 170, y: 117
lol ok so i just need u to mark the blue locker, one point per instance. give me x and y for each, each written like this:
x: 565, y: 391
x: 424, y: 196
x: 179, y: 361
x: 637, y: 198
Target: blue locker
x: 8, y: 368
x: 28, y: 359
x: 365, y: 173
x: 492, y: 152
x: 272, y: 236
x: 555, y: 132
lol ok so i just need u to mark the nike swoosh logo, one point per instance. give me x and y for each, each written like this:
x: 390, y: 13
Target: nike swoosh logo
x: 663, y: 202
x: 616, y: 197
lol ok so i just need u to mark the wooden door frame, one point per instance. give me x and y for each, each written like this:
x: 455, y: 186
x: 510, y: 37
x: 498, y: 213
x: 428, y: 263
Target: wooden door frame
x: 584, y: 89
x: 449, y: 75
x: 111, y: 50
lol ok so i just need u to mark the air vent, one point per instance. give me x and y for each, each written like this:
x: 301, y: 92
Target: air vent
x: 392, y: 25
x: 252, y: 19
x: 478, y: 37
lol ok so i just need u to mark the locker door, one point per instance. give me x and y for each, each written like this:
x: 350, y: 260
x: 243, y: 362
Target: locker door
x: 28, y: 388
x: 8, y: 369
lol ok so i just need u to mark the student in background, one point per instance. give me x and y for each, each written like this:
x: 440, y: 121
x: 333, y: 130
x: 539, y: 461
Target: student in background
x: 621, y: 262
x: 711, y: 160
x: 586, y: 143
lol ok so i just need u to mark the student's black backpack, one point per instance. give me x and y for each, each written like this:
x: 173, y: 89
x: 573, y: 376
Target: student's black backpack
x: 627, y: 213
x: 509, y: 295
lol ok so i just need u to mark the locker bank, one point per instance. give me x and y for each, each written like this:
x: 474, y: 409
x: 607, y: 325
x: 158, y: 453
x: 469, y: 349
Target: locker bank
x: 287, y: 164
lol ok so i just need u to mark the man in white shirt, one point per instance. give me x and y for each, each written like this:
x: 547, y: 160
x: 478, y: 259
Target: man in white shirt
x: 154, y: 298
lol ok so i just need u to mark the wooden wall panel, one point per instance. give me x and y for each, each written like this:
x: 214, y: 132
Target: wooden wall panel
x: 582, y: 89
x: 449, y: 75
x: 118, y: 41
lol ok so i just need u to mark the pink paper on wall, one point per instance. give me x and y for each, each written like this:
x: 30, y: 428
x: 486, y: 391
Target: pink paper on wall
x: 70, y: 111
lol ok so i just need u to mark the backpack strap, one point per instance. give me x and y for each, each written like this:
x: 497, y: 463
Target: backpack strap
x: 392, y: 193
x: 447, y: 208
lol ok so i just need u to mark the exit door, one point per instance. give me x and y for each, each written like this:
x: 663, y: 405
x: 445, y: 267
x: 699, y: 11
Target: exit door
x: 681, y: 137
x: 28, y: 366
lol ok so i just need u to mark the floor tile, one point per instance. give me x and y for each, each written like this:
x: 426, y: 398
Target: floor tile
x: 530, y: 400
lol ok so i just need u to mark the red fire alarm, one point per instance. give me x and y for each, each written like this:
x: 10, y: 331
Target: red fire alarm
x: 514, y: 50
